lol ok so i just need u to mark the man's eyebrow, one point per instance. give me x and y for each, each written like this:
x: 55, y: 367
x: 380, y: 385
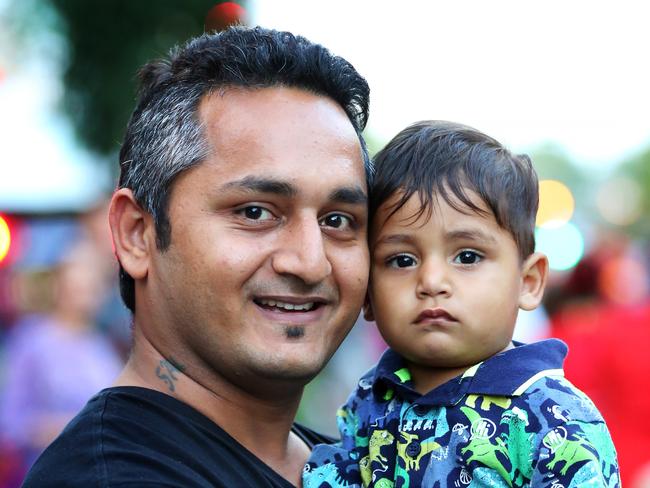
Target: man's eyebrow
x: 353, y: 195
x: 262, y: 185
x: 470, y: 235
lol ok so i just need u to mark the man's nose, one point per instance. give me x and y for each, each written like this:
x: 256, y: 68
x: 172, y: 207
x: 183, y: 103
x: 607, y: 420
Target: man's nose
x: 434, y: 279
x: 301, y: 252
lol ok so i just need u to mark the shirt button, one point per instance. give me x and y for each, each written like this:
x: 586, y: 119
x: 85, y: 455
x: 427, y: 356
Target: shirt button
x: 420, y: 409
x: 413, y: 449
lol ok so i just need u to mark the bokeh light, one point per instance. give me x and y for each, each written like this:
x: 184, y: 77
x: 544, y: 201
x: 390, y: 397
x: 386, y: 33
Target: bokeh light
x: 223, y: 15
x: 619, y: 201
x: 5, y: 238
x: 556, y: 204
x: 564, y: 245
x: 623, y: 280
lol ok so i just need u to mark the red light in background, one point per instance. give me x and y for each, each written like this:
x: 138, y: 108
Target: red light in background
x: 223, y: 15
x: 5, y: 239
x: 11, y: 239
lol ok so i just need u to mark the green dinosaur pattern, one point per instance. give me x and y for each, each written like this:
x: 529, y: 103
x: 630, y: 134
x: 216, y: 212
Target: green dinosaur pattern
x: 375, y: 458
x: 482, y: 450
x: 520, y: 448
x: 468, y: 433
x: 324, y: 474
x: 571, y: 452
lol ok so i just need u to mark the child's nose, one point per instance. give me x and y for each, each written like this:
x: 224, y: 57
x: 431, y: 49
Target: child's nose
x: 434, y: 280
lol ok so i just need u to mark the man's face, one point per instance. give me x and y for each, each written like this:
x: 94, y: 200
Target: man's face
x: 444, y: 290
x: 268, y: 262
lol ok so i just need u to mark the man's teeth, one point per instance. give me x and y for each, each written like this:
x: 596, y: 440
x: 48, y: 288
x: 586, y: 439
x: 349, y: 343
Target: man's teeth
x: 302, y: 307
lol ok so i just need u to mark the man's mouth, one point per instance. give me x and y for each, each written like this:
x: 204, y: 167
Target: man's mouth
x: 281, y: 306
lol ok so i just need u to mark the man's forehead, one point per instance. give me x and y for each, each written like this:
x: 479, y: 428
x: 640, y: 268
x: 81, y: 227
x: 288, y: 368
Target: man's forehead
x: 233, y: 103
x: 279, y: 111
x: 281, y: 133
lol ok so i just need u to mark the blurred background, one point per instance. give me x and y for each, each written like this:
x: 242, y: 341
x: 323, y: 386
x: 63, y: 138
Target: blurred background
x: 565, y: 82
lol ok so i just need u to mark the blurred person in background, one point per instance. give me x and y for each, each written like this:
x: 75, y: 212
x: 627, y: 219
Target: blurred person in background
x: 240, y: 228
x: 55, y: 361
x: 112, y: 318
x: 602, y: 311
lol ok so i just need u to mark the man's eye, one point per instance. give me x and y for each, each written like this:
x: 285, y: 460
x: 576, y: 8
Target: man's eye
x: 336, y: 221
x: 401, y: 261
x: 467, y: 257
x: 254, y: 212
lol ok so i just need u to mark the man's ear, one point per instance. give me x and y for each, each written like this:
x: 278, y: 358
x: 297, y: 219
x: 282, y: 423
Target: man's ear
x: 367, y: 309
x: 534, y: 273
x: 132, y: 231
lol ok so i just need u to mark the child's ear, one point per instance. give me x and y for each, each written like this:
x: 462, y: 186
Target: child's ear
x: 367, y: 309
x: 534, y: 273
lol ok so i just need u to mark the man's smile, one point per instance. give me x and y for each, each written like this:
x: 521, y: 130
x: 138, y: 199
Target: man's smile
x: 306, y: 308
x: 287, y: 306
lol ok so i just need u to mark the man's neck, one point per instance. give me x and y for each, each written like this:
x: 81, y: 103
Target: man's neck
x: 259, y: 422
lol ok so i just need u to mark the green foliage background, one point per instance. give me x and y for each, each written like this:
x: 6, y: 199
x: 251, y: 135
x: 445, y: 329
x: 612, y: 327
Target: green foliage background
x: 105, y: 43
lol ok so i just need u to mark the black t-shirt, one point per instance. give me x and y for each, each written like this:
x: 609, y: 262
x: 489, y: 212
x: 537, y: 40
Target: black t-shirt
x: 130, y: 436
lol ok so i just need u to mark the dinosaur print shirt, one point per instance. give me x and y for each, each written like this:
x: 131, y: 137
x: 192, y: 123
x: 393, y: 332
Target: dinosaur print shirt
x: 510, y: 421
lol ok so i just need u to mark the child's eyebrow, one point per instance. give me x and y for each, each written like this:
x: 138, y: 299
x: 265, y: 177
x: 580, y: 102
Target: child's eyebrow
x: 394, y: 239
x: 470, y: 235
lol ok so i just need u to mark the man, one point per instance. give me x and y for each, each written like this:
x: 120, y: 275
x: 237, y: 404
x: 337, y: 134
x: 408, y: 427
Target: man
x: 240, y: 229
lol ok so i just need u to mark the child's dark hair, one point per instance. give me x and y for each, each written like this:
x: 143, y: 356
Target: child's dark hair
x: 436, y: 157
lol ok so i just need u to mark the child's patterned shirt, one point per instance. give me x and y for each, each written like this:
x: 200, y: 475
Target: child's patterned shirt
x: 510, y: 421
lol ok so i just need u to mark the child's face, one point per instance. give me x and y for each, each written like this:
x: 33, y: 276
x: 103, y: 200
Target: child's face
x: 445, y: 290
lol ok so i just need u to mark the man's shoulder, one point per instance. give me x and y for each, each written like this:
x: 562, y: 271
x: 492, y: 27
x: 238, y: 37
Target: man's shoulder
x: 132, y: 435
x: 75, y: 454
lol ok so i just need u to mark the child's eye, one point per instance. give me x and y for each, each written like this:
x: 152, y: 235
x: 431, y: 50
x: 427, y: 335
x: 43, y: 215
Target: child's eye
x: 255, y: 212
x: 467, y: 257
x: 401, y: 261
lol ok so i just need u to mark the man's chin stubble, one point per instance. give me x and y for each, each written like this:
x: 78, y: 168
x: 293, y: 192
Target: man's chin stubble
x: 294, y: 331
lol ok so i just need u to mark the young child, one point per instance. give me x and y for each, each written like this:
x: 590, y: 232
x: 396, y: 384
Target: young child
x: 454, y: 402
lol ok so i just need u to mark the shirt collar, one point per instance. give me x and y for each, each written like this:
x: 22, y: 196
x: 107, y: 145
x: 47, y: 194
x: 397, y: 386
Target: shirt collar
x: 507, y: 374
